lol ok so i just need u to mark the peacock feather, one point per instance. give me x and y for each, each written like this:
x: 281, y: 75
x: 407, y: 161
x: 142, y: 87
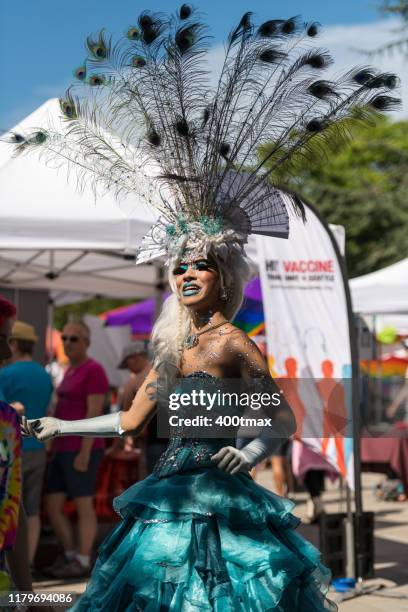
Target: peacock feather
x: 144, y: 116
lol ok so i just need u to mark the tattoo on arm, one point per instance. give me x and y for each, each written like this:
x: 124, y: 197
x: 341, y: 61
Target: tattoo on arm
x: 151, y: 391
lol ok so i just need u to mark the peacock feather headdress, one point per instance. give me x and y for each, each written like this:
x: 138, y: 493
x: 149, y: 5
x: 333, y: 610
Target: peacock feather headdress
x: 145, y: 118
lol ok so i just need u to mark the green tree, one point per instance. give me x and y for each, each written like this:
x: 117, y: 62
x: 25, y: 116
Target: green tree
x: 395, y: 8
x: 364, y: 187
x: 94, y: 306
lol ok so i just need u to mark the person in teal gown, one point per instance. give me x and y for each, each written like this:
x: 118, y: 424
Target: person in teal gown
x: 199, y: 533
x: 147, y: 119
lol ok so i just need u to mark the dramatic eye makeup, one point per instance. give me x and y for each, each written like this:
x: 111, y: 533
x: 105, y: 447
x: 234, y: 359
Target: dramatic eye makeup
x: 180, y: 269
x: 201, y: 265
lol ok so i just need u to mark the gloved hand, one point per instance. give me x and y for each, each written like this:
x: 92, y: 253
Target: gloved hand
x: 42, y: 429
x: 105, y: 426
x: 231, y: 460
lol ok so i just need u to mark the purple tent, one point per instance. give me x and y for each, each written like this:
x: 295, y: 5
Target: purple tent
x: 253, y: 290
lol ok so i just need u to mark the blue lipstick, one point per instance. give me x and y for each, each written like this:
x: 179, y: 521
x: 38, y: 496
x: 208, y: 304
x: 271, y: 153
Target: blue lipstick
x: 190, y: 289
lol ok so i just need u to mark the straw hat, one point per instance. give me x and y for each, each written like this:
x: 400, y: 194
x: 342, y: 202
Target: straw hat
x: 23, y: 331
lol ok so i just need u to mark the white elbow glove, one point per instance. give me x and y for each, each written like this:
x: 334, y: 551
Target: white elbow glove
x: 106, y: 426
x: 259, y: 449
x: 232, y: 460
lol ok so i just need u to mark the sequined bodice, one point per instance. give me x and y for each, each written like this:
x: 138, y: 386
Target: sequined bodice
x: 184, y: 454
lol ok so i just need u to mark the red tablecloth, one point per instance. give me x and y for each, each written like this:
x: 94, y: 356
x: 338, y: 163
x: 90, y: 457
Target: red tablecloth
x: 388, y: 450
x: 116, y: 474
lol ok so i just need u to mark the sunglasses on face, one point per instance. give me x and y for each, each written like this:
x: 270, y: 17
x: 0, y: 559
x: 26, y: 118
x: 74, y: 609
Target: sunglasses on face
x: 200, y: 266
x: 70, y: 338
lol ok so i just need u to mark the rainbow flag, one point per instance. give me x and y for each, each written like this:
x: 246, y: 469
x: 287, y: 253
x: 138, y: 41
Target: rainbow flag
x: 385, y: 367
x: 250, y: 318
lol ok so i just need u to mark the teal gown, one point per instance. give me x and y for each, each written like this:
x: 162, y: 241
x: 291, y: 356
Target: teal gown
x: 194, y: 538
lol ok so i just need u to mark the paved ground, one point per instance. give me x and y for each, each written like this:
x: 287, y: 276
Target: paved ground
x: 391, y: 550
x: 391, y: 546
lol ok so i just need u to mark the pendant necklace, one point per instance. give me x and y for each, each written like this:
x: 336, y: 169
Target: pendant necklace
x: 192, y: 339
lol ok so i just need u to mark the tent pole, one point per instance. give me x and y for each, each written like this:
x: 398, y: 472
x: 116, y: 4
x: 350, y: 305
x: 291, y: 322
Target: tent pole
x: 377, y: 379
x: 50, y: 327
x: 356, y: 423
x: 349, y: 530
x: 160, y: 286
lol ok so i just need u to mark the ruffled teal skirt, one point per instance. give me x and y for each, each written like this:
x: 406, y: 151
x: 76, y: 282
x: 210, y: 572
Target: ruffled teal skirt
x: 205, y: 540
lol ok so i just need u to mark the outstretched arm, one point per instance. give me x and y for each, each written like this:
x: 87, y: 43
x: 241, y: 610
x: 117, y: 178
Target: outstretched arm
x: 109, y: 425
x: 253, y: 369
x: 143, y: 407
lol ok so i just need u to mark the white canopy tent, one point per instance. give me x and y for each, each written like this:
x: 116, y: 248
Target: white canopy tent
x: 382, y: 292
x: 384, y: 295
x: 53, y: 237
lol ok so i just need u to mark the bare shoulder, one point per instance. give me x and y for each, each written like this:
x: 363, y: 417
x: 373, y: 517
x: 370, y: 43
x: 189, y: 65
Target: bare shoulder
x: 239, y: 342
x: 244, y: 353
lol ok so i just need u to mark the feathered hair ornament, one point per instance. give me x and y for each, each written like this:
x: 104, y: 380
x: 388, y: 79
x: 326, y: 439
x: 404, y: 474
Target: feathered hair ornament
x: 145, y: 118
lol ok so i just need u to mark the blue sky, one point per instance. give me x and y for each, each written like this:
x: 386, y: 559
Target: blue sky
x: 42, y: 41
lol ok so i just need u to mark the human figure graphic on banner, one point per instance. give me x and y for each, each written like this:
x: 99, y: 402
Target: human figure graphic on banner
x: 307, y: 389
x: 290, y: 386
x: 271, y: 366
x: 314, y: 346
x: 334, y: 412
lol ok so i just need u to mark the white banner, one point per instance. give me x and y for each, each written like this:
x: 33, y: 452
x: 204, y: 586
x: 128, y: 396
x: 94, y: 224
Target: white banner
x: 307, y: 333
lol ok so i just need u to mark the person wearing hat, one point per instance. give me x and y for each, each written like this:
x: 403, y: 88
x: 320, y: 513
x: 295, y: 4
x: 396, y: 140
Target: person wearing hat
x: 135, y: 358
x: 26, y: 385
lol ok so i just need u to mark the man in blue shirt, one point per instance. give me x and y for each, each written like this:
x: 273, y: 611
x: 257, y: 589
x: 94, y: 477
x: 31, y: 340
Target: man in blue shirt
x: 26, y: 382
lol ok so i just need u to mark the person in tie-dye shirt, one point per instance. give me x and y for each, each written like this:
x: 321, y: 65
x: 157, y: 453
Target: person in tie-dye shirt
x: 10, y: 454
x: 10, y: 483
x: 13, y: 522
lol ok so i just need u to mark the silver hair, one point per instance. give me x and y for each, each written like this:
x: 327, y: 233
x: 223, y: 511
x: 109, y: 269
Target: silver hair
x: 80, y: 323
x: 166, y: 342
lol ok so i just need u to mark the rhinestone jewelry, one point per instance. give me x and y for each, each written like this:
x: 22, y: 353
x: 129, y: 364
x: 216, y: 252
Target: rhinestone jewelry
x: 192, y: 339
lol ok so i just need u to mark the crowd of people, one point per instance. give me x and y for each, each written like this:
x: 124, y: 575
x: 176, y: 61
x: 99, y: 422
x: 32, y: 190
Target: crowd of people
x: 40, y: 478
x: 26, y: 388
x: 67, y: 468
x: 37, y: 479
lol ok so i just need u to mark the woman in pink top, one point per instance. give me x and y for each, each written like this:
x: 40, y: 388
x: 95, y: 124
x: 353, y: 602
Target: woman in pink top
x: 73, y: 470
